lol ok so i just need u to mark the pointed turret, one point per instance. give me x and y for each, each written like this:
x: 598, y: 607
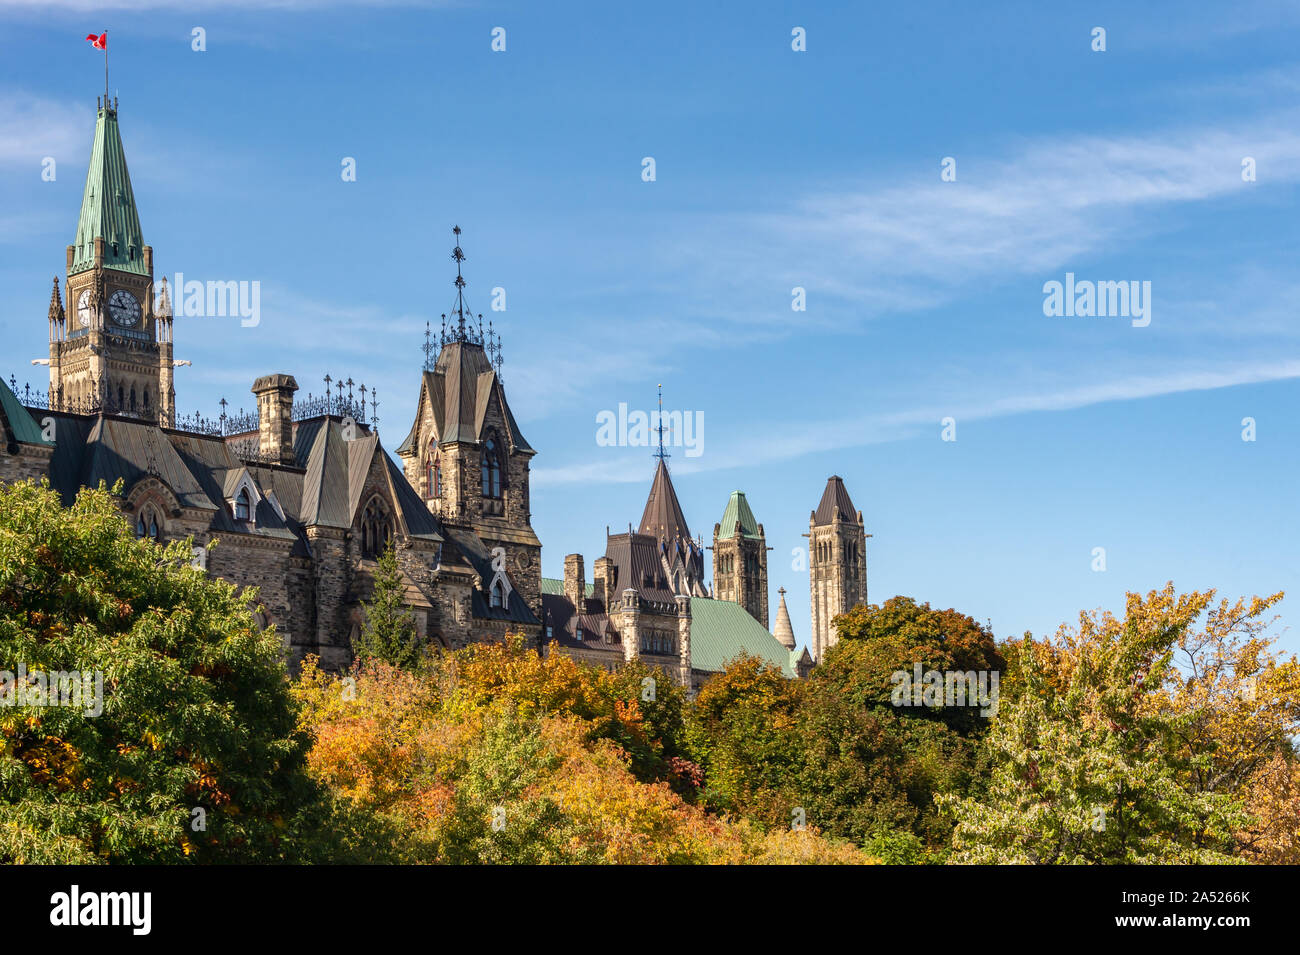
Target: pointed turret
x: 108, y: 209
x: 56, y: 303
x: 783, y: 632
x: 164, y: 307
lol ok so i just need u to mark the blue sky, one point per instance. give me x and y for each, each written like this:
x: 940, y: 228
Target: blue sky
x: 774, y: 169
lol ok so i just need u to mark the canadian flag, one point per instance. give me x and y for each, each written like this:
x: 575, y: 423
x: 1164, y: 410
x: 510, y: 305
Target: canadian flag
x: 99, y: 42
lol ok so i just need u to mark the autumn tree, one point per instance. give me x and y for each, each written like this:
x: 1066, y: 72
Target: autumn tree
x: 1089, y: 764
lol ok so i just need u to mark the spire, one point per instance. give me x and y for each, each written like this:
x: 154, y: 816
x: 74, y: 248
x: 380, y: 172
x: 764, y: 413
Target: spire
x: 108, y: 209
x: 663, y: 517
x: 164, y: 307
x: 783, y: 632
x: 56, y: 303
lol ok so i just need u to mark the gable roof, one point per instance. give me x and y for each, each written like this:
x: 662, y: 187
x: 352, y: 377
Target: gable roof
x: 738, y: 518
x: 834, y: 496
x: 108, y: 209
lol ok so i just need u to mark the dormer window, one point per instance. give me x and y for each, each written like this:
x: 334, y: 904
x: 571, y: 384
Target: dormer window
x: 497, y: 594
x: 243, y: 505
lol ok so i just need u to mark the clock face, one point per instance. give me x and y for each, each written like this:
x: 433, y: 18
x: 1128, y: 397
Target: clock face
x: 83, y: 308
x: 123, y: 308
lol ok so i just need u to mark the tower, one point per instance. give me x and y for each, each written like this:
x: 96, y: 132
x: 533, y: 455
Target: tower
x: 740, y: 559
x: 465, y: 454
x: 837, y: 563
x: 105, y: 351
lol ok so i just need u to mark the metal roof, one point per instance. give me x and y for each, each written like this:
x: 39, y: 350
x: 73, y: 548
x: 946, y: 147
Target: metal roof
x: 834, y: 496
x: 459, y: 391
x: 16, y: 422
x: 108, y: 205
x: 738, y: 518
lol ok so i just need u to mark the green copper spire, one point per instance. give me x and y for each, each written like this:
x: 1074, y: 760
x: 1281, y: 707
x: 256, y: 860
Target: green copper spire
x: 108, y: 204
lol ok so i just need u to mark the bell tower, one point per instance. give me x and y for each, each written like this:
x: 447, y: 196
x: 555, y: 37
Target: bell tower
x: 106, y: 342
x: 837, y: 563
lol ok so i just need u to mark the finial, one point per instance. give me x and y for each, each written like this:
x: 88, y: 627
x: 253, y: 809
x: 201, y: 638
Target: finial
x: 428, y: 346
x: 661, y: 454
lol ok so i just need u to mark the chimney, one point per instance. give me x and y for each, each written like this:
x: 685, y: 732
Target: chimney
x: 575, y: 586
x: 275, y: 416
x: 602, y: 573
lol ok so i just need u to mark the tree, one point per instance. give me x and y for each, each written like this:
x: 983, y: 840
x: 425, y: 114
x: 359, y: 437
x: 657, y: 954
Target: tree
x: 1089, y: 766
x: 388, y: 631
x: 871, y: 766
x: 173, y: 736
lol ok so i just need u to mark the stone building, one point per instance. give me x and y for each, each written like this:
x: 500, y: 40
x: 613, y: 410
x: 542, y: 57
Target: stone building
x: 837, y: 563
x: 740, y: 558
x: 647, y: 599
x: 299, y: 498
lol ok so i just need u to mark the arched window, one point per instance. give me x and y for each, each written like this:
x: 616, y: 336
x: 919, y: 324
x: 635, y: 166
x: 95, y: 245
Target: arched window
x: 146, y: 398
x: 243, y: 505
x: 497, y: 594
x: 146, y: 523
x: 491, y: 468
x: 133, y: 397
x: 376, y: 529
x: 434, y: 475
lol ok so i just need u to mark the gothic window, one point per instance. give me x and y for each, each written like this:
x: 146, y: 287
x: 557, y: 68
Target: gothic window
x: 498, y: 594
x: 434, y: 475
x: 146, y: 399
x: 491, y: 468
x: 146, y: 523
x: 376, y: 529
x: 121, y: 398
x: 243, y: 505
x: 133, y: 397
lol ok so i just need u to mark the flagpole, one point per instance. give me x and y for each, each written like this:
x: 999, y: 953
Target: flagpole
x: 105, y: 69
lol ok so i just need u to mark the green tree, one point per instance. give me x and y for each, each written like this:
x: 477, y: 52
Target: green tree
x: 388, y: 631
x: 871, y: 769
x: 1088, y: 762
x: 195, y: 754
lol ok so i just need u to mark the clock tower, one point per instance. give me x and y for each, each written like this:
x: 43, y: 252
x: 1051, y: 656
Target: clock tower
x: 110, y: 350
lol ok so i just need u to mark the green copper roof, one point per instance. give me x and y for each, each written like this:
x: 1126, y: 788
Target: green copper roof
x: 108, y: 205
x: 15, y: 421
x: 721, y: 631
x: 738, y: 510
